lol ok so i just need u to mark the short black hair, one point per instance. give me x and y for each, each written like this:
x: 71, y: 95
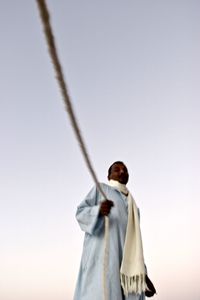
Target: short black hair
x: 116, y: 162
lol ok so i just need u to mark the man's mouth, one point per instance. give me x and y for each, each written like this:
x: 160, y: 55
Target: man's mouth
x: 123, y: 178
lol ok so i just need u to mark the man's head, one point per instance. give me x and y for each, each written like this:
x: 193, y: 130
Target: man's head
x: 119, y: 172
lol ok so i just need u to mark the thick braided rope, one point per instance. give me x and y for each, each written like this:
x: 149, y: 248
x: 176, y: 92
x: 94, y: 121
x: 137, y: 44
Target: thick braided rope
x: 45, y: 18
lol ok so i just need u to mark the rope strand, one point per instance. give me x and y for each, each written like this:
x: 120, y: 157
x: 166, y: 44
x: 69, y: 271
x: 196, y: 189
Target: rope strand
x: 45, y: 18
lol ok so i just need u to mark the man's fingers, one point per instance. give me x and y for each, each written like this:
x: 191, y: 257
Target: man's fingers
x: 106, y: 207
x: 110, y: 203
x: 104, y: 212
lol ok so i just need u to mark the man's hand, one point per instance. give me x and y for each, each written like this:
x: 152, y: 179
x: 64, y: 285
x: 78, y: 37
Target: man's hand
x: 106, y: 207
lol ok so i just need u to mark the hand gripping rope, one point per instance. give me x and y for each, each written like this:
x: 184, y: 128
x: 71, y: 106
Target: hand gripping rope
x: 45, y: 18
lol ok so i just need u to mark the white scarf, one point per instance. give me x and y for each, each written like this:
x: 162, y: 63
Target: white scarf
x: 132, y: 271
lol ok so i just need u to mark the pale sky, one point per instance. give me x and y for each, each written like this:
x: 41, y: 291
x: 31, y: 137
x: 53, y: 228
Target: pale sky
x: 133, y: 71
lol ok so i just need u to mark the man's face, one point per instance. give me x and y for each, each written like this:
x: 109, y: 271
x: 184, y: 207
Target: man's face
x: 119, y: 172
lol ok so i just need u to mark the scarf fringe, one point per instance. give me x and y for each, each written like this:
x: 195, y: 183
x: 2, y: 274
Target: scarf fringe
x: 133, y: 284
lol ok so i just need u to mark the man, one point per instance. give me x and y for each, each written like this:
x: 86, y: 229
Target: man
x: 126, y: 273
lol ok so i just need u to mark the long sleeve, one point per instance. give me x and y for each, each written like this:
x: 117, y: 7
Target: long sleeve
x: 87, y: 213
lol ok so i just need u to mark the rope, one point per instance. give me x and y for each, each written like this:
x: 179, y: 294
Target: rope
x: 45, y: 18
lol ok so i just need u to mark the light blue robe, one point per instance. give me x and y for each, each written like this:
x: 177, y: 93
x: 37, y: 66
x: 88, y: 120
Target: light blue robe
x: 90, y: 279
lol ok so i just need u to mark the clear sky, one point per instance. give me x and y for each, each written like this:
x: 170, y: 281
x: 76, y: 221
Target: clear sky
x: 133, y: 71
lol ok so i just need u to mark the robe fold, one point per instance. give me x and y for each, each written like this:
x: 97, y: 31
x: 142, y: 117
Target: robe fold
x: 89, y: 285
